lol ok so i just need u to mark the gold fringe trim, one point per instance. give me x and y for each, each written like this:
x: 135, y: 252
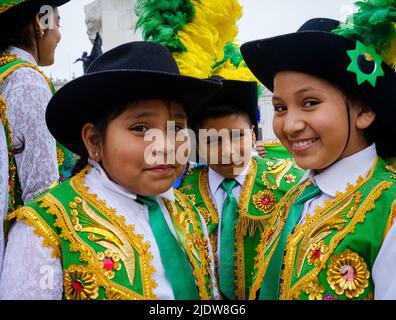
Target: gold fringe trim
x: 31, y: 218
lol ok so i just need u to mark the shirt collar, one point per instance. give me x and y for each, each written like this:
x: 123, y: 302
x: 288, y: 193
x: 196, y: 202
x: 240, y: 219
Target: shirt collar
x: 343, y: 172
x: 113, y: 186
x: 215, y: 179
x: 22, y: 54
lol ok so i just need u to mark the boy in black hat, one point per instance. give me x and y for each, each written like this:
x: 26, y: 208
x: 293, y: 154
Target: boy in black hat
x: 116, y: 230
x: 235, y: 194
x: 331, y: 236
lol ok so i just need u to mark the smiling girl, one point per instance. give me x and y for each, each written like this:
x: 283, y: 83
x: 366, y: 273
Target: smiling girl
x: 332, y: 236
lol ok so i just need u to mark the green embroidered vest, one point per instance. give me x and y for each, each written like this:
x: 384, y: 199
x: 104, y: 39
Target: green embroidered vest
x: 66, y: 160
x: 268, y: 180
x: 103, y: 257
x: 331, y: 255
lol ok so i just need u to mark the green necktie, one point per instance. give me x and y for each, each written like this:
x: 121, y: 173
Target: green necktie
x: 271, y: 282
x: 177, y: 267
x: 229, y: 219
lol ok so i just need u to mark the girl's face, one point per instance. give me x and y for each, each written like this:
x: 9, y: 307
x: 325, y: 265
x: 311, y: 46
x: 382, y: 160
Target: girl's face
x: 311, y: 120
x: 48, y: 43
x: 144, y: 166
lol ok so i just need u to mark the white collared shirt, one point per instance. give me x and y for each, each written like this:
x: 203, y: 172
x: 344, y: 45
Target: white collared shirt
x: 219, y: 195
x: 336, y: 178
x: 25, y: 256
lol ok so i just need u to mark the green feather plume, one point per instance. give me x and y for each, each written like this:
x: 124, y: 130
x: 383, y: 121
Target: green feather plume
x: 161, y: 20
x: 373, y: 24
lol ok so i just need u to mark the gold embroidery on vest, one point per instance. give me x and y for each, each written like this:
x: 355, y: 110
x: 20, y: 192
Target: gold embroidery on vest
x: 367, y: 205
x: 80, y: 284
x: 348, y: 274
x: 207, y: 198
x: 86, y: 220
x: 314, y: 230
x: 136, y: 240
x: 196, y: 244
x: 270, y: 238
x: 273, y: 176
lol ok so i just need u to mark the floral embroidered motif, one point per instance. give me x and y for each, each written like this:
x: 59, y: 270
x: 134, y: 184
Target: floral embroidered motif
x: 273, y: 176
x: 6, y: 58
x: 80, y: 284
x: 290, y: 178
x: 314, y: 290
x: 109, y: 261
x: 104, y: 233
x: 348, y: 274
x: 316, y: 256
x: 264, y: 201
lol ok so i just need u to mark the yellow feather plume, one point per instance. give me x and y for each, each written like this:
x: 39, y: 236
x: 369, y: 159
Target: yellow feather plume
x: 213, y: 26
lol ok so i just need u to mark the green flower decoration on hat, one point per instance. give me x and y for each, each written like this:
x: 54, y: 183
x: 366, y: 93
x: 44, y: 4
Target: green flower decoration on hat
x: 8, y: 4
x: 366, y: 63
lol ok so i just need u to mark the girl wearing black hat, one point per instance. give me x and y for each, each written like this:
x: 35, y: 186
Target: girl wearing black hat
x: 334, y: 101
x: 116, y: 230
x: 28, y: 161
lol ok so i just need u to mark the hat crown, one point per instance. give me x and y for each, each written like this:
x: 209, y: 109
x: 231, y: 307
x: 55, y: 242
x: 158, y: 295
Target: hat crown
x: 138, y: 55
x: 319, y: 24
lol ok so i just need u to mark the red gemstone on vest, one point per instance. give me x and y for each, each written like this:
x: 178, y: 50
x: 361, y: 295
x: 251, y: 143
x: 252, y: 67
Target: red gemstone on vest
x: 316, y: 253
x: 108, y: 264
x: 266, y: 201
x: 77, y: 286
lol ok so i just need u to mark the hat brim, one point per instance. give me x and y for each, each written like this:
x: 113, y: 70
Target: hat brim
x: 14, y: 8
x: 88, y: 98
x: 324, y: 55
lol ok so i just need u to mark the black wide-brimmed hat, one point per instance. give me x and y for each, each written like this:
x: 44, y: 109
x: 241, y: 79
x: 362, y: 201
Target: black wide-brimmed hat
x: 314, y: 49
x: 241, y: 95
x: 131, y: 72
x: 12, y: 6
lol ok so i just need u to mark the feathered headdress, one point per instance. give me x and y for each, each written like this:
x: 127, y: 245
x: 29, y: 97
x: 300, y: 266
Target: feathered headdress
x: 200, y: 34
x: 374, y: 24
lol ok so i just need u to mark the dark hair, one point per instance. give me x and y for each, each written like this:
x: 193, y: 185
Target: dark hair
x: 14, y: 25
x: 209, y: 112
x: 100, y: 132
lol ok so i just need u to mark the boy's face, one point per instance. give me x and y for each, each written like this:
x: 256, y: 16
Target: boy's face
x: 226, y: 144
x: 145, y: 166
x: 311, y: 120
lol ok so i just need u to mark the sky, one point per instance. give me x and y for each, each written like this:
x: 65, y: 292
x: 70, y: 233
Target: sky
x: 261, y: 19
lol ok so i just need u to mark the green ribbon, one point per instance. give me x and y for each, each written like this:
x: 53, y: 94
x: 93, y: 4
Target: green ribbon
x: 271, y: 282
x: 177, y: 267
x: 229, y: 219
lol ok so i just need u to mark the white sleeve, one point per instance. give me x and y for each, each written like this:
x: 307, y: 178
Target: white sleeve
x: 27, y: 95
x: 384, y: 275
x: 29, y: 271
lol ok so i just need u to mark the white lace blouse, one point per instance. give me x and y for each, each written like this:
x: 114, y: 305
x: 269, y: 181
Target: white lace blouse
x: 27, y: 94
